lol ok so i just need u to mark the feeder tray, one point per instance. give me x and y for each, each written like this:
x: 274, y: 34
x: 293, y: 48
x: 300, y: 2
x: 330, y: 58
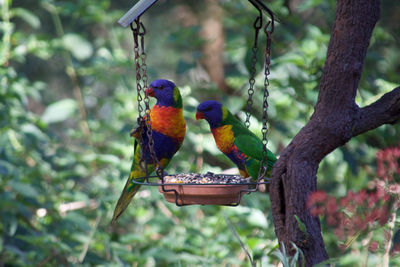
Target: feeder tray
x: 204, y: 194
x: 207, y: 189
x: 203, y: 189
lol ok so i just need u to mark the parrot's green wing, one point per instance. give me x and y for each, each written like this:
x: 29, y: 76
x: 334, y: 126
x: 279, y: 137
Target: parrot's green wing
x: 249, y: 145
x: 252, y: 146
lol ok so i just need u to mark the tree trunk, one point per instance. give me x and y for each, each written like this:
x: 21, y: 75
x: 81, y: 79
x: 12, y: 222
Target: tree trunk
x: 213, y: 34
x: 336, y: 119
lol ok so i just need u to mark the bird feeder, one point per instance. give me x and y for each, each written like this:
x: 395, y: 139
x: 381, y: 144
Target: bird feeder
x: 192, y: 188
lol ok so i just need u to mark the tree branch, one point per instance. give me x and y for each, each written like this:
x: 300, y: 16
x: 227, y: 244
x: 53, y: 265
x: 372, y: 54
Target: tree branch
x: 385, y: 110
x: 352, y: 30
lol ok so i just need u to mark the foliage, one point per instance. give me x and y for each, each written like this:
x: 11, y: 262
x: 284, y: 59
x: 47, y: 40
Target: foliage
x: 67, y: 103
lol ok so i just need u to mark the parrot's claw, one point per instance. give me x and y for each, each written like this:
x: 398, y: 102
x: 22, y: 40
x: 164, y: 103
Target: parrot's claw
x: 135, y: 132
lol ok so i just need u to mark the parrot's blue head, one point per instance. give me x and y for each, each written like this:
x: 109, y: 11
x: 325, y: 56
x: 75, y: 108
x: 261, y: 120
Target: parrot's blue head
x: 212, y: 111
x: 166, y: 93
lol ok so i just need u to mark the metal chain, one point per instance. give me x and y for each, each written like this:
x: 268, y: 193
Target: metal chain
x: 149, y: 133
x: 257, y: 26
x: 268, y: 30
x: 141, y: 83
x: 139, y: 88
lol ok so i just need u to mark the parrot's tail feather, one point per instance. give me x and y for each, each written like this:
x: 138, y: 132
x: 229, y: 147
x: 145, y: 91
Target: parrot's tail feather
x: 125, y: 199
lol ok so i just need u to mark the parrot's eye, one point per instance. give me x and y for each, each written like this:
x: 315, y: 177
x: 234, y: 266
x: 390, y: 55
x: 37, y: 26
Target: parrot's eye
x: 161, y: 87
x: 208, y: 109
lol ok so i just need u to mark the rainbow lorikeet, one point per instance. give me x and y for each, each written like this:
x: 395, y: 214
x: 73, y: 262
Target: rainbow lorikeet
x: 168, y: 131
x: 237, y: 142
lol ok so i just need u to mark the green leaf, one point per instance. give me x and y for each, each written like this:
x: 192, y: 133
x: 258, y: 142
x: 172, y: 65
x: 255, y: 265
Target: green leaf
x: 6, y: 168
x: 309, y: 4
x: 59, y: 111
x: 330, y: 262
x: 79, y: 47
x: 131, y: 238
x: 78, y: 221
x: 296, y: 256
x: 302, y: 226
x: 32, y: 129
x: 27, y: 16
x: 108, y: 158
x: 23, y: 189
x: 257, y: 218
x: 282, y: 256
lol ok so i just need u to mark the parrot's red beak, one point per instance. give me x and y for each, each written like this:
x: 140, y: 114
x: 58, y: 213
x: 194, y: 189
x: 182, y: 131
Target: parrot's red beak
x: 199, y: 115
x: 150, y: 92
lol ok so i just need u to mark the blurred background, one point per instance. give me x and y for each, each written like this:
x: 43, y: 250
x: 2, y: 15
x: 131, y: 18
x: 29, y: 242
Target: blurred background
x: 68, y: 102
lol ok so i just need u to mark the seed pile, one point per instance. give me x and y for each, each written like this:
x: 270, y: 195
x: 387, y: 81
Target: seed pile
x: 208, y: 178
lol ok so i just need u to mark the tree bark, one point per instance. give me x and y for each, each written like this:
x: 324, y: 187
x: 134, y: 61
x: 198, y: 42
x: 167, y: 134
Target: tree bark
x: 336, y: 119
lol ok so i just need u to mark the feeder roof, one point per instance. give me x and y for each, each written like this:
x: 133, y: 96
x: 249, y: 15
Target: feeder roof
x: 135, y: 12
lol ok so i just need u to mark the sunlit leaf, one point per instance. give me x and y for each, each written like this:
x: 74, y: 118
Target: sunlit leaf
x: 27, y: 16
x: 257, y: 218
x: 79, y: 47
x: 59, y: 111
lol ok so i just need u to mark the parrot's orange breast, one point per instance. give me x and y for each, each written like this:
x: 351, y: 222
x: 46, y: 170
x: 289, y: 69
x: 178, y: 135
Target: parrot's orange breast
x: 168, y: 121
x: 224, y: 138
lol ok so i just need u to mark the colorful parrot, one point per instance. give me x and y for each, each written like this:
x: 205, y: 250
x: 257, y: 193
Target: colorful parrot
x: 168, y: 131
x: 237, y: 142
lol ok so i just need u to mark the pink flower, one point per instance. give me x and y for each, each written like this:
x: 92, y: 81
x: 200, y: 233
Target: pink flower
x: 372, y: 200
x: 362, y: 210
x: 394, y: 189
x: 315, y: 203
x: 344, y: 201
x: 387, y: 163
x: 350, y: 194
x: 331, y: 220
x: 331, y: 206
x: 373, y: 246
x: 373, y: 215
x: 360, y: 224
x: 339, y: 232
x: 383, y: 216
x: 360, y: 197
x: 318, y: 196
